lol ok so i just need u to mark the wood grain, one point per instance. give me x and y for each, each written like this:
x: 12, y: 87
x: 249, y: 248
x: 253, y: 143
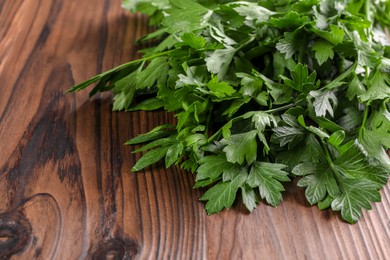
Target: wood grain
x: 66, y: 191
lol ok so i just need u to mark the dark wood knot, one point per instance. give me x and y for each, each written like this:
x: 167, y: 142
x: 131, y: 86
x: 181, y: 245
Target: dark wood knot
x: 115, y: 249
x: 15, y: 233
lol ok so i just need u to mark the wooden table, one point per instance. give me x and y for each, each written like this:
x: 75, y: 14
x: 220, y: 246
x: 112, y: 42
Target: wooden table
x: 66, y: 190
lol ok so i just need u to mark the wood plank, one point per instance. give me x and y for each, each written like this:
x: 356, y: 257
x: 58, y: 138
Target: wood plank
x: 65, y: 184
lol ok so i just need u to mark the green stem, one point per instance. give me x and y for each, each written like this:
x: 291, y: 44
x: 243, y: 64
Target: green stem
x: 251, y: 39
x: 368, y: 7
x: 369, y: 18
x: 328, y: 156
x: 140, y: 60
x: 365, y: 118
x: 286, y: 107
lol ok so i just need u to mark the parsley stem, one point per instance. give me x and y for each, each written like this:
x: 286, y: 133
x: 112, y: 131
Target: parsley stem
x: 142, y: 59
x: 368, y: 12
x: 328, y: 156
x: 369, y: 18
x: 362, y: 128
x: 251, y: 39
x: 278, y: 109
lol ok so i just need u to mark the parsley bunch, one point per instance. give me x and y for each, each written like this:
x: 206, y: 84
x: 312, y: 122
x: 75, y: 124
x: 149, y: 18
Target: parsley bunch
x: 263, y: 92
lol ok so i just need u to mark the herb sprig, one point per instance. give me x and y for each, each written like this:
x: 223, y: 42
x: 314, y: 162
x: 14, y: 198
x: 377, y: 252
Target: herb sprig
x: 263, y: 92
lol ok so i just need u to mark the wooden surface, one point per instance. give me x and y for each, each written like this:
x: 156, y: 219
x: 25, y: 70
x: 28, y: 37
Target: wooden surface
x: 66, y: 191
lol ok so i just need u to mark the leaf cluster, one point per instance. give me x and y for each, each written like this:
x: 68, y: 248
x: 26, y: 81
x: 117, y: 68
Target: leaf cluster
x: 263, y: 92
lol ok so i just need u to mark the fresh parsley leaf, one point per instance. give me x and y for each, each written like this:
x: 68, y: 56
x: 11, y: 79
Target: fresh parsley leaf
x: 249, y: 197
x: 301, y: 80
x: 291, y: 43
x: 242, y: 147
x: 218, y: 61
x: 356, y: 195
x: 156, y: 72
x: 223, y: 194
x: 334, y: 36
x: 318, y: 179
x: 192, y: 40
x: 378, y: 87
x: 292, y: 20
x: 219, y: 88
x: 150, y: 158
x: 323, y: 51
x: 309, y: 150
x: 267, y: 177
x: 292, y: 134
x: 186, y: 16
x: 352, y: 180
x: 154, y: 134
x: 324, y: 102
x: 252, y: 12
x: 211, y: 167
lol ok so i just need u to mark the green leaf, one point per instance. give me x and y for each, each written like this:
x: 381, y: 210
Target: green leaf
x: 356, y: 195
x: 375, y: 143
x: 192, y: 40
x: 319, y: 181
x: 125, y: 90
x: 325, y: 123
x: 323, y: 51
x: 218, y: 61
x: 352, y: 180
x: 173, y: 154
x: 337, y: 138
x: 268, y: 177
x: 222, y: 195
x: 309, y: 150
x: 156, y: 133
x: 219, y: 88
x: 291, y: 43
x: 352, y: 119
x: 338, y: 81
x: 335, y: 36
x: 253, y: 13
x: 300, y: 79
x: 324, y: 102
x: 291, y: 134
x: 107, y: 76
x: 242, y: 147
x: 261, y: 121
x: 355, y: 164
x: 250, y: 85
x: 378, y: 87
x: 150, y: 158
x: 235, y: 106
x: 156, y: 71
x: 325, y: 203
x: 186, y: 16
x: 221, y: 37
x: 211, y: 167
x: 249, y: 198
x: 356, y: 88
x: 292, y: 20
x: 156, y: 143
